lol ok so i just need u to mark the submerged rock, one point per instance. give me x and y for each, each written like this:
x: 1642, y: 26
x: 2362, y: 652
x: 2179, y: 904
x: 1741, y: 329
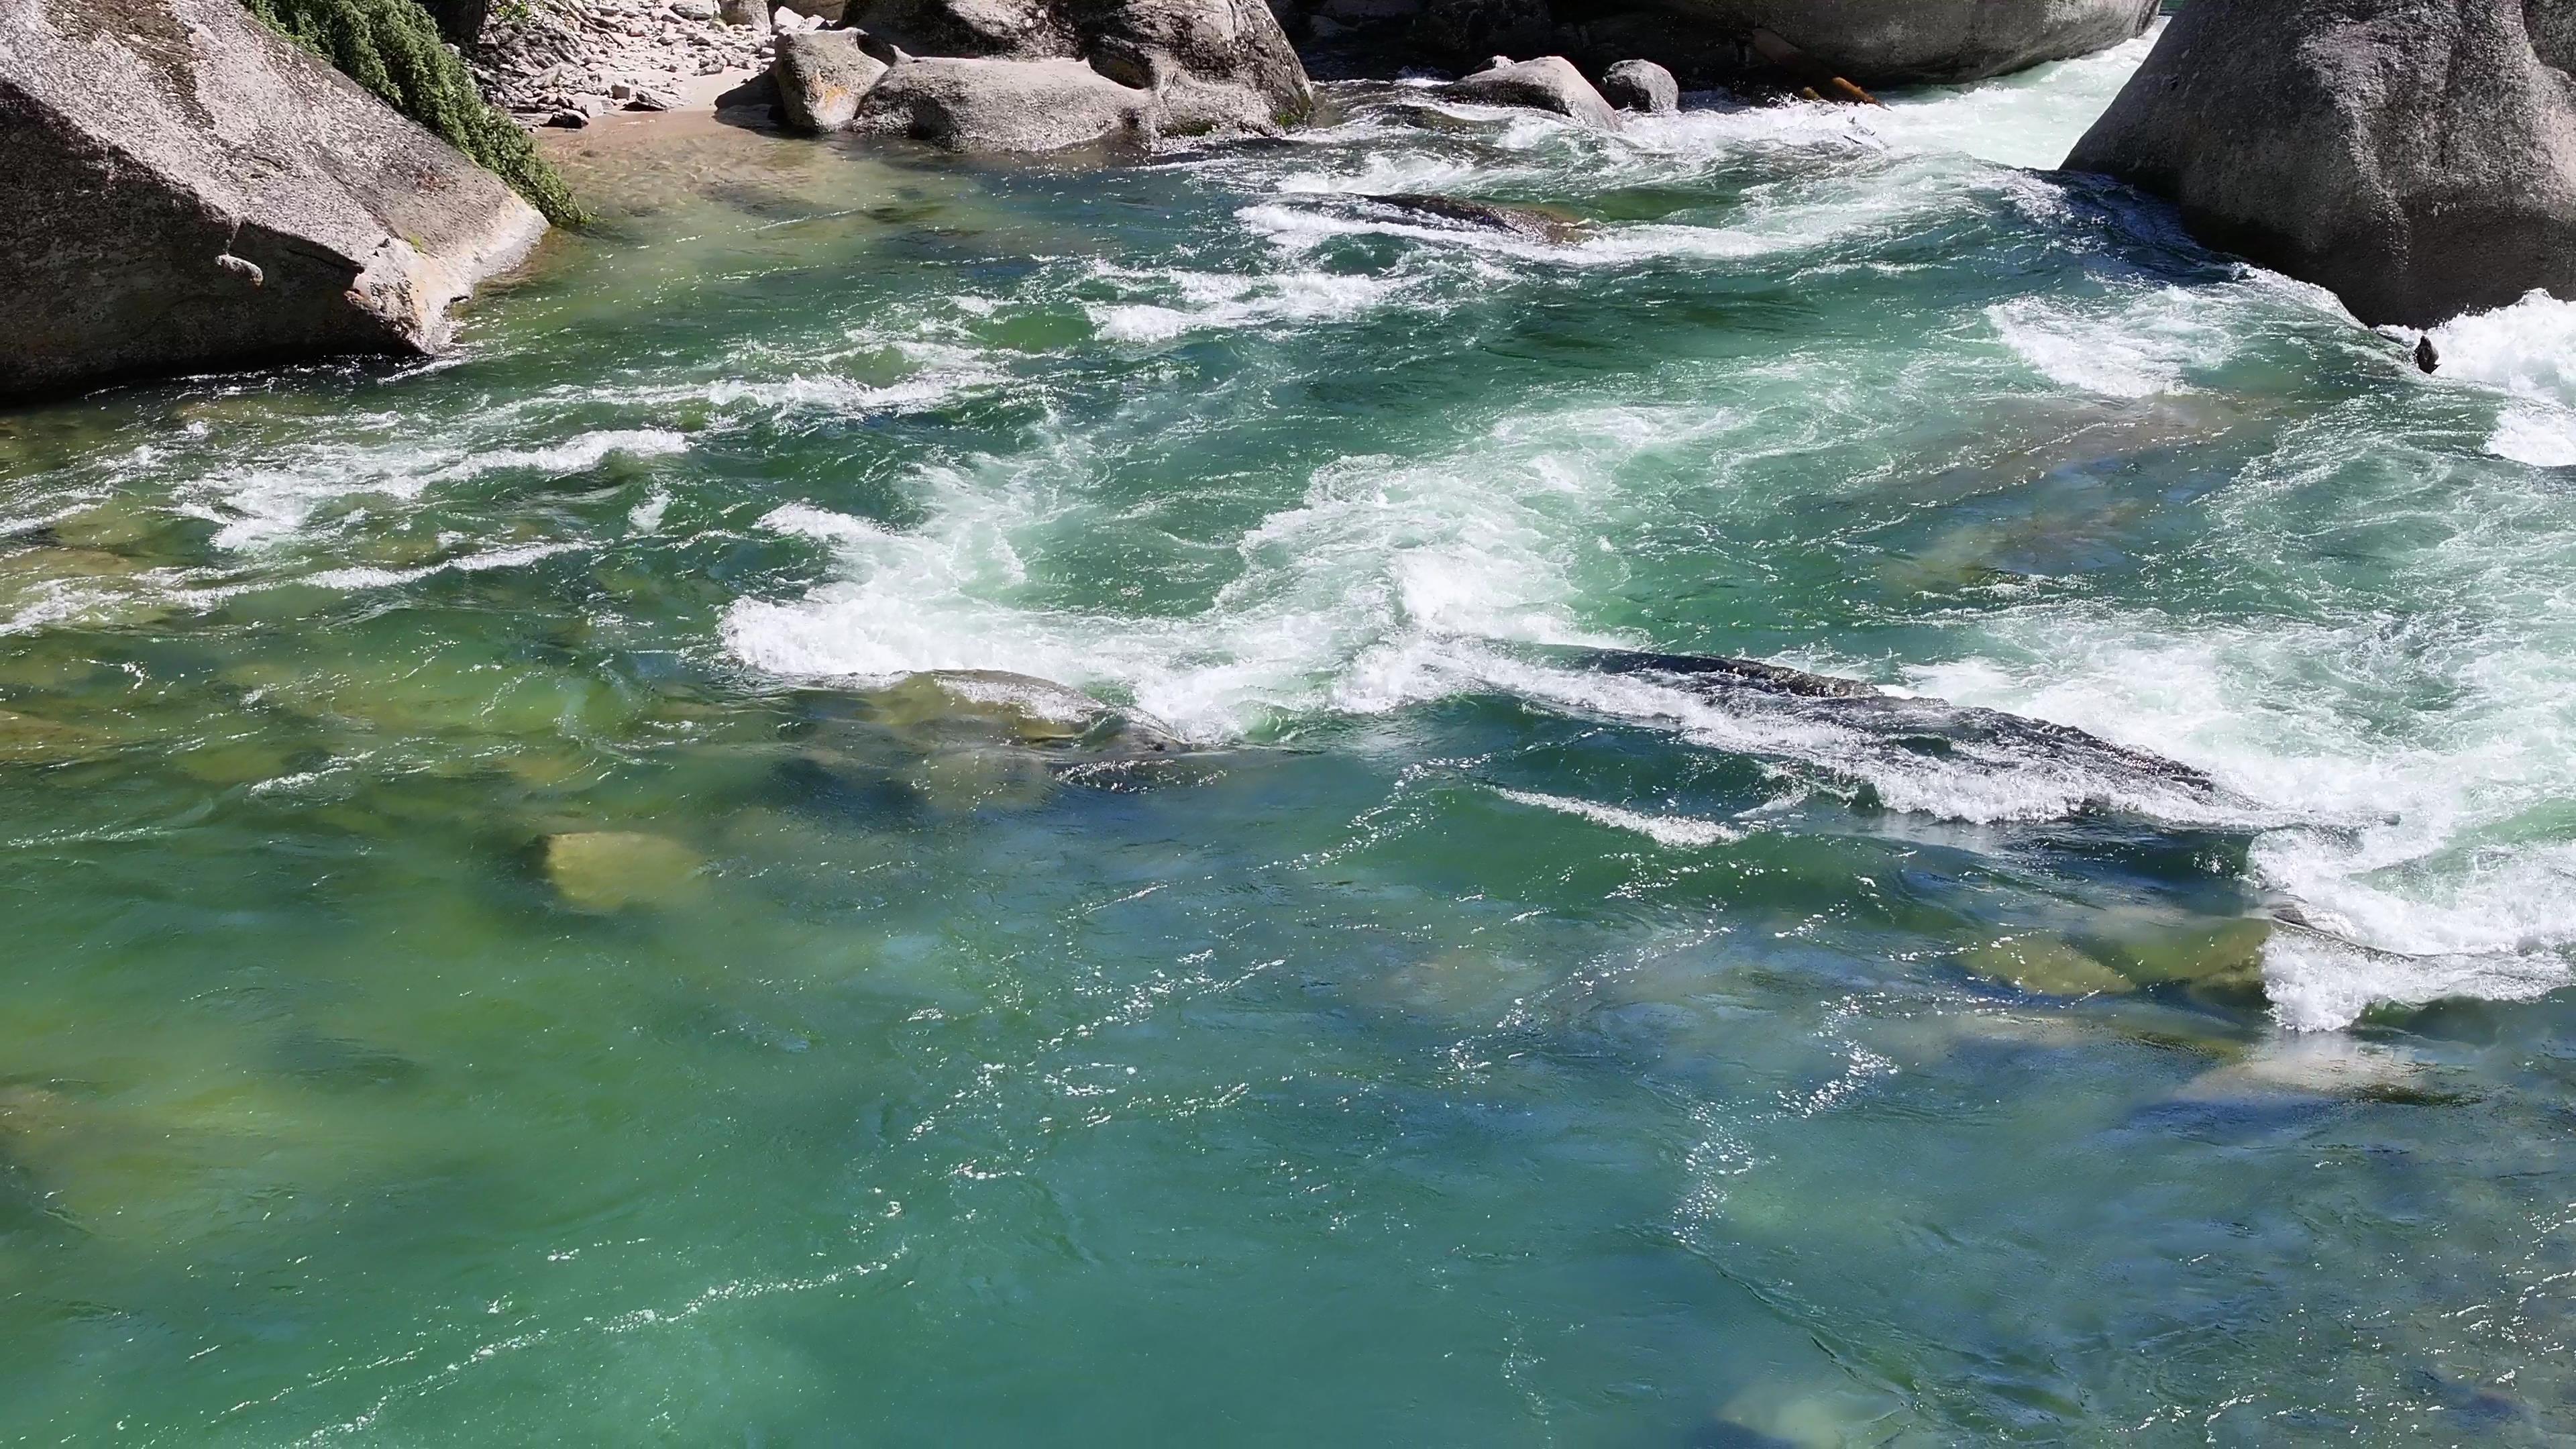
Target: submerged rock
x: 1641, y: 86
x: 1929, y: 753
x: 993, y: 707
x: 1549, y: 83
x: 1534, y: 222
x: 2316, y: 1065
x: 612, y: 870
x: 186, y: 189
x: 2416, y: 157
x: 2046, y: 964
x: 1006, y: 105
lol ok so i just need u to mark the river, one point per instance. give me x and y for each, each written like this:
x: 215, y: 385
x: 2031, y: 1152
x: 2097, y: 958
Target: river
x: 497, y: 957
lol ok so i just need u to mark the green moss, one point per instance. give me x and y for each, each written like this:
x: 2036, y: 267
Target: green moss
x: 392, y: 47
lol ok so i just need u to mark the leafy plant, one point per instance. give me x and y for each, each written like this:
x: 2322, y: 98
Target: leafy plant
x: 393, y: 48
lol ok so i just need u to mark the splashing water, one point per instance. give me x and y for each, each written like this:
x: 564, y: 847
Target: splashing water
x: 1527, y: 1049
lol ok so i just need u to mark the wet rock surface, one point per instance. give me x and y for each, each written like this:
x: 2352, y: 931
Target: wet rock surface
x: 186, y: 189
x: 1549, y: 83
x: 1641, y: 86
x: 2416, y: 157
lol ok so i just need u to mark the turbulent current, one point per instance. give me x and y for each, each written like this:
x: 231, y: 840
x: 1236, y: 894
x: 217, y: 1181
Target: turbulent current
x: 509, y: 946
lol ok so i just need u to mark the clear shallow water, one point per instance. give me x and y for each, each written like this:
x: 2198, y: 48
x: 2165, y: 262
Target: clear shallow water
x: 1466, y: 1046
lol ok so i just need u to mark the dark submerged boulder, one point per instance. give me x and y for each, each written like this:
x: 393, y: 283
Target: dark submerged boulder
x: 1532, y: 222
x: 2416, y: 157
x: 183, y: 188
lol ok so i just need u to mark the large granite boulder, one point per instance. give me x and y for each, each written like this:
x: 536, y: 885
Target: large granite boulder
x: 1006, y: 105
x: 1214, y: 65
x: 1549, y: 83
x: 1643, y: 86
x: 181, y: 188
x: 1875, y: 42
x: 2418, y: 157
x: 822, y: 76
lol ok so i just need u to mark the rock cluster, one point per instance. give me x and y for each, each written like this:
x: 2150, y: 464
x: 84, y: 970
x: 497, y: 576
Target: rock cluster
x: 184, y: 188
x: 1038, y: 75
x: 2417, y: 157
x: 546, y: 59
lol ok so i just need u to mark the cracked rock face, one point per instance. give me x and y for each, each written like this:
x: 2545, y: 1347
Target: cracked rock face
x: 2416, y: 157
x: 183, y: 189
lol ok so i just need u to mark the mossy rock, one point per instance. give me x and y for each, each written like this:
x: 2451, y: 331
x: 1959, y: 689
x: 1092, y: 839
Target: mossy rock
x: 393, y: 48
x: 2045, y: 964
x: 603, y: 871
x: 2227, y: 958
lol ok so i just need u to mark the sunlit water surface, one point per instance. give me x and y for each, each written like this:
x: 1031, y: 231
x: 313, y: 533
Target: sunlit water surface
x: 1463, y: 1047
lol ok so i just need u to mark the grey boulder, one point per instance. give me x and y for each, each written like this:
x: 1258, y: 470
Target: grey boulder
x: 822, y: 76
x: 1641, y: 85
x: 1549, y: 83
x: 1215, y: 65
x: 1006, y: 105
x: 2416, y: 157
x: 181, y: 188
x: 1899, y: 41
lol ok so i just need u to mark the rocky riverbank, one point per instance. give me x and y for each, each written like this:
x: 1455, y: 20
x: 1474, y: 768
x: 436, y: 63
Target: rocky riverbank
x: 565, y: 61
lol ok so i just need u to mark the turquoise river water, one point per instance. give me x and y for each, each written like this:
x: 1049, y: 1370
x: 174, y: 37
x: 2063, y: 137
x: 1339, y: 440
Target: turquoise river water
x: 503, y: 949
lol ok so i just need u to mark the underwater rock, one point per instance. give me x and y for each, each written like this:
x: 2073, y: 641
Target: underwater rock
x: 991, y: 706
x: 1641, y: 86
x: 1549, y: 83
x: 1006, y: 105
x: 2312, y: 1065
x: 187, y: 189
x: 2226, y: 958
x: 2020, y: 766
x: 612, y: 870
x: 1534, y: 222
x: 2045, y: 964
x: 27, y: 739
x: 2415, y: 157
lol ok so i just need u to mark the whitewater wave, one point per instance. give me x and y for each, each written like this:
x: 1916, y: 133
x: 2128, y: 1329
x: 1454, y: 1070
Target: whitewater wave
x: 2528, y: 351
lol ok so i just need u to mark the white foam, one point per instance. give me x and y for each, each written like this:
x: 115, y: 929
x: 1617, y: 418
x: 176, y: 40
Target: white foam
x: 2528, y: 350
x: 379, y: 578
x: 1677, y: 832
x: 2320, y: 984
x: 2415, y: 857
x: 267, y: 505
x: 1206, y: 301
x: 2128, y: 346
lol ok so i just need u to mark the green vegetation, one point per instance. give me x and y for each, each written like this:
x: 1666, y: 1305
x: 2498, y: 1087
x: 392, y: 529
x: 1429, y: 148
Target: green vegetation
x: 393, y: 48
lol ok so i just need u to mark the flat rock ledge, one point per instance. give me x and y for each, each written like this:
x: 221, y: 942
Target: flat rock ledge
x: 184, y: 189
